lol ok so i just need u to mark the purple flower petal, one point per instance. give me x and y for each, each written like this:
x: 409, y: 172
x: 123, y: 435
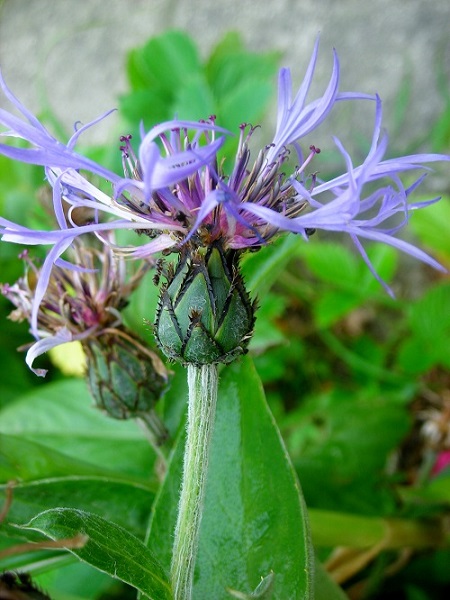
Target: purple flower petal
x: 44, y: 345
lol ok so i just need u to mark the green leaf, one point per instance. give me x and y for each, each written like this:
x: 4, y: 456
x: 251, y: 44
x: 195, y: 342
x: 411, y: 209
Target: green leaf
x: 348, y: 281
x: 411, y: 357
x: 432, y: 227
x: 249, y: 471
x: 241, y: 82
x: 109, y: 548
x: 244, y: 103
x: 23, y: 460
x: 332, y: 305
x: 230, y: 65
x: 119, y: 502
x: 76, y: 581
x: 194, y: 100
x: 165, y: 61
x: 430, y: 324
x: 261, y: 269
x: 135, y: 106
x: 166, y: 79
x: 331, y: 529
x: 430, y: 317
x: 266, y: 333
x: 336, y: 445
x: 331, y: 262
x: 60, y: 415
x: 244, y: 534
x: 334, y: 263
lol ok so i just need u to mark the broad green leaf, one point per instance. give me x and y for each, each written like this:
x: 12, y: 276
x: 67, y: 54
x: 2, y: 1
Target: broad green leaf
x: 150, y: 106
x: 119, y: 502
x: 244, y: 534
x: 244, y: 103
x: 331, y: 262
x: 160, y: 74
x: 332, y: 305
x: 23, y: 460
x: 109, y: 548
x: 349, y: 283
x: 168, y: 79
x: 335, y: 264
x: 335, y: 442
x: 194, y: 100
x: 430, y: 324
x: 411, y: 357
x: 230, y: 65
x: 430, y: 317
x: 165, y: 61
x: 332, y: 529
x: 60, y: 415
x: 242, y: 83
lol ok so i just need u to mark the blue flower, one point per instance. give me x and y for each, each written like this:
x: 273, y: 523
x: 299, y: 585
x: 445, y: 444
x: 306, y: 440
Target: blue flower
x: 175, y: 190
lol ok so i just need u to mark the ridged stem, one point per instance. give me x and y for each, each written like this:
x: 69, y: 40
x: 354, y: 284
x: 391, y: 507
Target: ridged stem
x: 202, y: 382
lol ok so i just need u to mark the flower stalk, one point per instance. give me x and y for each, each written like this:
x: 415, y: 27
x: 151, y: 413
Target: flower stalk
x: 202, y: 382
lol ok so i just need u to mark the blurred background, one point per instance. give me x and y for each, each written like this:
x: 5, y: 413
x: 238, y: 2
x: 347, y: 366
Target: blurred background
x: 70, y: 54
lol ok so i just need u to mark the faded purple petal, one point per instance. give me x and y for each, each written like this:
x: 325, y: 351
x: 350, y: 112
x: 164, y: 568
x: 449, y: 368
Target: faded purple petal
x: 44, y: 345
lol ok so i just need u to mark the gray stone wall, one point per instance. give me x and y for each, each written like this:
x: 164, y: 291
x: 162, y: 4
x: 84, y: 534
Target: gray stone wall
x: 70, y: 53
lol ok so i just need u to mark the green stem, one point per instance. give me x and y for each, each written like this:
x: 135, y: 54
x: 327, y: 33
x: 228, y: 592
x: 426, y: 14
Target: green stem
x: 202, y: 382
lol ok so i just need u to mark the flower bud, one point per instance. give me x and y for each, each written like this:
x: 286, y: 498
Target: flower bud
x: 204, y: 314
x: 126, y: 379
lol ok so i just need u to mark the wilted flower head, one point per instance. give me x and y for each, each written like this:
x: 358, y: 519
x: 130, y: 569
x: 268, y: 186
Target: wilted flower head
x: 83, y: 303
x: 176, y: 191
x: 80, y: 302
